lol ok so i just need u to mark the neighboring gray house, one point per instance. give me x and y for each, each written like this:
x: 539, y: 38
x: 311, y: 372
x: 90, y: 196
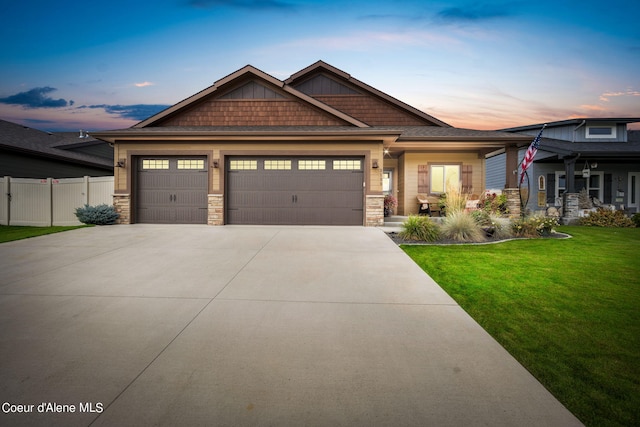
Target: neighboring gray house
x: 600, y: 155
x: 31, y: 153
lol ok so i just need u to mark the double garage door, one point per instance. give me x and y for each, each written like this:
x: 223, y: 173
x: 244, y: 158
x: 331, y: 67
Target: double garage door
x: 259, y: 190
x: 295, y: 190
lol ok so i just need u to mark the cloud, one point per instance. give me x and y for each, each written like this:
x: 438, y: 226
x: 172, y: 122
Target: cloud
x: 242, y: 4
x: 134, y: 112
x: 143, y: 84
x: 36, y: 98
x: 473, y: 13
x: 608, y: 95
x: 371, y: 40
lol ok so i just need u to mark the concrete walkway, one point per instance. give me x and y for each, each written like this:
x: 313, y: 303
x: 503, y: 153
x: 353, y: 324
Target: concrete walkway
x: 227, y: 326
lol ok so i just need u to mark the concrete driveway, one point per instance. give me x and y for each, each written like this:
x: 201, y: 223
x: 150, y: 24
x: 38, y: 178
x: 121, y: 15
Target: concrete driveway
x: 198, y: 325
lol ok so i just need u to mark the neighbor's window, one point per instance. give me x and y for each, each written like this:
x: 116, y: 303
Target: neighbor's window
x: 243, y: 164
x: 312, y: 165
x: 443, y: 177
x: 601, y: 132
x: 347, y: 165
x: 155, y: 164
x: 190, y: 164
x: 277, y: 165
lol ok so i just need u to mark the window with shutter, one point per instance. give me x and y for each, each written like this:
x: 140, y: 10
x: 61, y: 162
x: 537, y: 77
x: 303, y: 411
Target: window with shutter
x: 467, y: 175
x: 423, y: 179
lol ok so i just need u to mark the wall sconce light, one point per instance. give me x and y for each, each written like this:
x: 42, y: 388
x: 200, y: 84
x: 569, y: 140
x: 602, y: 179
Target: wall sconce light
x: 374, y: 163
x: 121, y: 163
x: 216, y: 163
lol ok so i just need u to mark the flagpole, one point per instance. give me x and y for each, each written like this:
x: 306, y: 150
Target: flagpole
x: 528, y: 157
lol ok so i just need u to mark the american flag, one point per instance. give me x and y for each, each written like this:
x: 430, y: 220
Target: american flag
x: 530, y: 154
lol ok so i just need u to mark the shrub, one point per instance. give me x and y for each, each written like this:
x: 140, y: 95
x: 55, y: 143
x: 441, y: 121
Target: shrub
x: 636, y: 219
x: 607, y: 218
x: 494, y: 204
x: 534, y: 226
x: 500, y: 227
x: 462, y: 227
x: 390, y: 202
x: 419, y: 228
x: 98, y: 215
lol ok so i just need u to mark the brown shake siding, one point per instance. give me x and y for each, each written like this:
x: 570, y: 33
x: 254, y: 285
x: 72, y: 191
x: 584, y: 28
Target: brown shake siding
x: 371, y: 110
x: 262, y: 112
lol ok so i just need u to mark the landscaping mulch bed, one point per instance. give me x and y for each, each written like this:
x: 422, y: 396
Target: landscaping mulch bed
x: 400, y: 241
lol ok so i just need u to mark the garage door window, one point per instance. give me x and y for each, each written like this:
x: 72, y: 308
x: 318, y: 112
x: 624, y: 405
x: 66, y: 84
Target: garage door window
x: 277, y: 165
x: 155, y: 164
x: 243, y: 165
x: 190, y: 164
x: 347, y: 165
x: 312, y: 165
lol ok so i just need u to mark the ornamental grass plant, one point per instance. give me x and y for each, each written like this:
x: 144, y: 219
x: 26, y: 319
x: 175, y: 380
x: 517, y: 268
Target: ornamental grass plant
x: 461, y: 226
x: 419, y: 228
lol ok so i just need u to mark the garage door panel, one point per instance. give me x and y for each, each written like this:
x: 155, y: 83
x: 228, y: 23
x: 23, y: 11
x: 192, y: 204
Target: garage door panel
x: 167, y: 193
x: 292, y: 196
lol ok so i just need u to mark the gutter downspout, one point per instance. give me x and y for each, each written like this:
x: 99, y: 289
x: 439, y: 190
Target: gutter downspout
x: 576, y: 128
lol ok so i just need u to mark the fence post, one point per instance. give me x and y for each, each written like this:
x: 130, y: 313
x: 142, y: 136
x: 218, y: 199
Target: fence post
x: 6, y: 201
x: 85, y: 190
x: 50, y: 202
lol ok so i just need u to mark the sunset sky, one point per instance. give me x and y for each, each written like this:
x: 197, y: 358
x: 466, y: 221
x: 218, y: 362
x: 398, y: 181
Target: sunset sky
x: 473, y: 64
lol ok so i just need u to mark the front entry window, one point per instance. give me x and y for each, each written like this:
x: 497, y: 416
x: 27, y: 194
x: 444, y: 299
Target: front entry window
x: 443, y: 177
x: 387, y: 183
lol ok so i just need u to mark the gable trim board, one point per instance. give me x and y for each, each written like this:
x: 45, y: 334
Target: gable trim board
x: 252, y: 114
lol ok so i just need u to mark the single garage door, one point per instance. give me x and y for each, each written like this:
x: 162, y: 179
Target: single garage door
x: 171, y: 190
x: 295, y: 190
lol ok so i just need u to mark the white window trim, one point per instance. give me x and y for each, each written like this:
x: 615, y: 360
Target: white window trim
x: 579, y: 174
x: 431, y: 176
x: 611, y: 136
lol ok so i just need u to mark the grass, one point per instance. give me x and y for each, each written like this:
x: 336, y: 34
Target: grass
x: 9, y: 233
x: 566, y: 309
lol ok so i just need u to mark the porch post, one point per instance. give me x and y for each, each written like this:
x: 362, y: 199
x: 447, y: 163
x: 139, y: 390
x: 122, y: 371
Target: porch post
x: 511, y: 160
x: 569, y: 173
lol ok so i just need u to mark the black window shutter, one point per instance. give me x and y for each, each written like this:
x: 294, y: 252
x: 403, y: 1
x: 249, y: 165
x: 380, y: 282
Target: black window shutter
x: 608, y: 188
x: 551, y: 189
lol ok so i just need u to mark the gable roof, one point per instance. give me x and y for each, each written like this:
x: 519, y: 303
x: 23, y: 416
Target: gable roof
x: 242, y: 74
x: 321, y: 66
x: 24, y: 139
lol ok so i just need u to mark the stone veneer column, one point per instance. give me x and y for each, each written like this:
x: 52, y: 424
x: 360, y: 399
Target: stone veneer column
x: 122, y: 205
x: 570, y: 207
x: 513, y: 201
x: 374, y: 211
x: 215, y: 209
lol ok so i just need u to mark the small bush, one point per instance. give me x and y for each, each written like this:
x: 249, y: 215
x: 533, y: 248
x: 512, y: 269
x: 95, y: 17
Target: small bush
x: 534, y: 226
x: 419, y: 228
x: 492, y: 203
x: 500, y: 227
x: 636, y: 219
x: 98, y: 215
x: 607, y: 218
x: 462, y: 227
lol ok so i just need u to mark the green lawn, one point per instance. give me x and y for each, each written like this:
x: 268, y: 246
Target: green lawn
x: 10, y: 232
x: 568, y: 310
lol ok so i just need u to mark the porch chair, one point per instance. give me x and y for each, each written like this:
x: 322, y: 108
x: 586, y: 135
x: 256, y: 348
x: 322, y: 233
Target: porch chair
x: 424, y: 205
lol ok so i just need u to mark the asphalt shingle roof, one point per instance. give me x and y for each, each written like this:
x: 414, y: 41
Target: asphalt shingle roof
x: 46, y: 144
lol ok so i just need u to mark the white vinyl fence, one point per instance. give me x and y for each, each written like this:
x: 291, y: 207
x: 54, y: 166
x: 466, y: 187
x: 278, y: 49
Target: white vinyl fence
x: 46, y: 202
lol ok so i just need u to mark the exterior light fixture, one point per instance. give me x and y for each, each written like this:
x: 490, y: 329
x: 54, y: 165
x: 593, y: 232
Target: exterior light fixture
x: 121, y: 163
